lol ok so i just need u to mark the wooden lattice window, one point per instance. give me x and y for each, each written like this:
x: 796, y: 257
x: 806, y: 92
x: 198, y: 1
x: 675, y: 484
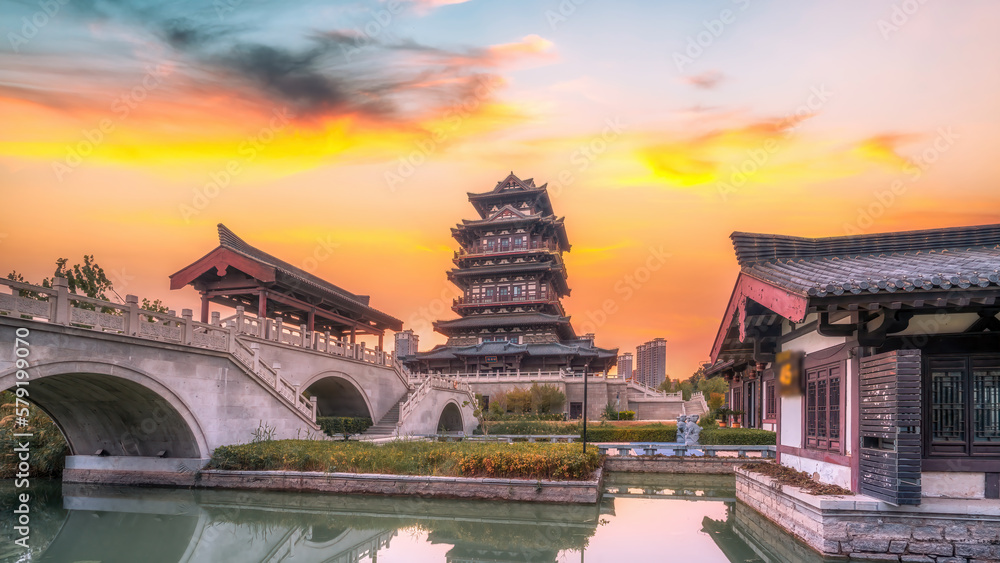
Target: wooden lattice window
x: 963, y: 410
x: 737, y: 401
x: 770, y: 401
x: 824, y: 402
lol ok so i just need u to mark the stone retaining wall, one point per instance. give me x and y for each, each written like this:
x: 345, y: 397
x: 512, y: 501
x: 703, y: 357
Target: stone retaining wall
x: 570, y: 492
x: 666, y: 464
x: 865, y: 529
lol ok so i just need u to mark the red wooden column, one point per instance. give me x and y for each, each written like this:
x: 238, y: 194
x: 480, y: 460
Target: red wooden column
x: 311, y: 322
x: 262, y: 305
x: 204, y: 306
x: 353, y: 333
x: 380, y: 335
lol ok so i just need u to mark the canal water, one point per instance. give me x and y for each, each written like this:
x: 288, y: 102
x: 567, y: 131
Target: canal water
x: 641, y: 518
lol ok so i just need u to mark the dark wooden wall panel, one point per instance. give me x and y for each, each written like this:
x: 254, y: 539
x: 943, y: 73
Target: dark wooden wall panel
x: 890, y: 426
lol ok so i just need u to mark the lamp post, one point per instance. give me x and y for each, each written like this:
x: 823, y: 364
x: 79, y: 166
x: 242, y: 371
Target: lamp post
x: 584, y: 409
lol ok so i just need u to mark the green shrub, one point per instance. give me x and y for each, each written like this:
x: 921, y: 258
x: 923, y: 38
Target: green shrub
x: 664, y: 433
x: 551, y: 417
x: 465, y: 459
x: 646, y: 433
x: 48, y: 447
x: 546, y: 398
x: 626, y: 415
x: 343, y: 425
x: 529, y: 427
x: 737, y: 437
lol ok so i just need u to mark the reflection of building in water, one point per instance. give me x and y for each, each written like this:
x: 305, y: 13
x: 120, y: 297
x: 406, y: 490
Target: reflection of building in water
x: 110, y: 524
x: 747, y: 536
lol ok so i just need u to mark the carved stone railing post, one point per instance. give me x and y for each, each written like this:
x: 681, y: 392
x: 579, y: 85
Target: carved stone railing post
x: 215, y: 318
x: 326, y: 337
x: 277, y: 330
x: 59, y: 312
x: 240, y: 321
x: 312, y: 405
x: 255, y: 348
x: 231, y: 337
x: 304, y: 334
x: 277, y: 376
x: 132, y: 316
x: 266, y: 328
x: 187, y: 331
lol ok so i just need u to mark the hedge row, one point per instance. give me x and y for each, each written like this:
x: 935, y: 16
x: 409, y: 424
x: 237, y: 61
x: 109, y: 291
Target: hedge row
x: 511, y: 416
x: 461, y: 459
x: 663, y: 433
x: 528, y: 427
x: 343, y: 425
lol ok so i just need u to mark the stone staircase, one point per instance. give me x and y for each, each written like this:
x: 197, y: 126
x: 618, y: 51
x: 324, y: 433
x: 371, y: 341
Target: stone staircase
x: 386, y: 426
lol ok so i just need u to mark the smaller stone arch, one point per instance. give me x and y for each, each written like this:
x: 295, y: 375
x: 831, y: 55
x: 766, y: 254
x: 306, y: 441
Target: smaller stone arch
x: 337, y: 394
x: 451, y: 418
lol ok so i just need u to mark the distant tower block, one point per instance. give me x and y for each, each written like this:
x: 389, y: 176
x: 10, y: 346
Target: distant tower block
x: 407, y: 343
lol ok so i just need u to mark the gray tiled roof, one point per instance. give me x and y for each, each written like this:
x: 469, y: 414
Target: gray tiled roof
x: 489, y: 321
x: 911, y: 260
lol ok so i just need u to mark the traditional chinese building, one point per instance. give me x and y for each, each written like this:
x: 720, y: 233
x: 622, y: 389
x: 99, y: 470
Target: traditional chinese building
x: 877, y: 359
x: 510, y: 270
x: 237, y: 274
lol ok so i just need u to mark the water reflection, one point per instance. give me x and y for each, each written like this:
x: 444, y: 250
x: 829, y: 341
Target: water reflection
x: 642, y: 518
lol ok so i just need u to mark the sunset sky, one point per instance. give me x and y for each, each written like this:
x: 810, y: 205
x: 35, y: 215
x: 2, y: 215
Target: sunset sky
x: 343, y: 137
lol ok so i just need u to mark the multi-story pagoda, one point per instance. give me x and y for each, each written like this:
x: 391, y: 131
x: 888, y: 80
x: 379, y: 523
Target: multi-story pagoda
x: 510, y: 269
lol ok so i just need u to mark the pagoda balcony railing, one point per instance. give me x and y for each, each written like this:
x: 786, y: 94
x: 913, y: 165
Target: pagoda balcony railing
x: 508, y: 249
x: 500, y: 300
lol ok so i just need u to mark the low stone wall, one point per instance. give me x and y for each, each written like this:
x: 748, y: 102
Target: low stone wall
x: 140, y: 471
x: 569, y: 492
x: 866, y: 529
x: 671, y: 464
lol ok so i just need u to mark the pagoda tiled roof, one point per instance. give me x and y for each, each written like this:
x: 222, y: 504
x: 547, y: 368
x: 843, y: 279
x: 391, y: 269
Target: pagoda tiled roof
x: 507, y: 348
x: 910, y: 260
x: 512, y: 187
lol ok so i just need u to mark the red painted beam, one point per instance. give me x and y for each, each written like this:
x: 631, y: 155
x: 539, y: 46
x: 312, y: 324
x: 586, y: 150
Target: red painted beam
x: 790, y: 305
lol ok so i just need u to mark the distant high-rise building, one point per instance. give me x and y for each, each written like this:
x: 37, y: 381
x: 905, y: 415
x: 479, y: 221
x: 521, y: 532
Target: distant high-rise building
x: 651, y: 362
x: 625, y: 365
x: 407, y: 342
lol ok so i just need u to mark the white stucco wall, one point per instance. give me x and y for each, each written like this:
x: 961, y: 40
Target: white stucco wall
x: 828, y: 472
x: 952, y: 484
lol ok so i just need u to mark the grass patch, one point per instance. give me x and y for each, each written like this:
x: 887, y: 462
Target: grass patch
x: 456, y: 459
x: 801, y: 479
x: 529, y: 427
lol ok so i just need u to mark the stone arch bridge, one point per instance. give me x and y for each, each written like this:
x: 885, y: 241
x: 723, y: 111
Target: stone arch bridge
x: 138, y: 391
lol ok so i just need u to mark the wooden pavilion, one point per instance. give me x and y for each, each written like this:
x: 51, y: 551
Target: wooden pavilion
x: 238, y: 274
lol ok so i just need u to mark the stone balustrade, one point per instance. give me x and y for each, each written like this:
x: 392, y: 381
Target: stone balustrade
x: 57, y: 305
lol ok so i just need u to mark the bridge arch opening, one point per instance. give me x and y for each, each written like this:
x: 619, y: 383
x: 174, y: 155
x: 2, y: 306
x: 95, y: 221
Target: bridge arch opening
x: 338, y: 396
x: 102, y: 414
x: 451, y: 419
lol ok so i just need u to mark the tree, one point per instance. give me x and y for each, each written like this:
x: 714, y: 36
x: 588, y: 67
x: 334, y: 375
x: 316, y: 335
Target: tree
x: 87, y: 279
x: 686, y: 388
x: 668, y: 385
x: 711, y: 385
